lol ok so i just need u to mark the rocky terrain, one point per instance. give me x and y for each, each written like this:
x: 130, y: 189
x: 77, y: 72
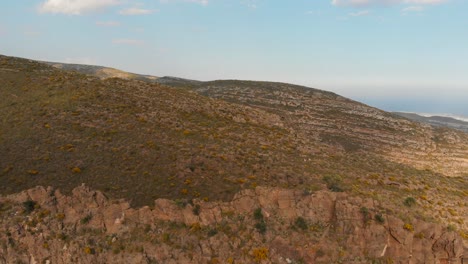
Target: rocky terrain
x: 348, y: 183
x: 261, y: 225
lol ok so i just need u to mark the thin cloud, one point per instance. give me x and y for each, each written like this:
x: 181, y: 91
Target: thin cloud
x: 75, y: 7
x: 364, y: 3
x: 131, y: 42
x: 137, y: 11
x: 108, y: 23
x: 412, y: 9
x: 201, y: 2
x: 251, y: 4
x: 425, y: 2
x: 360, y: 13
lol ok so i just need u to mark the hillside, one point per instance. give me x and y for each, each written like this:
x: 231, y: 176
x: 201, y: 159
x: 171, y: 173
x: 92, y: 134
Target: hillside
x: 439, y: 121
x: 207, y: 141
x: 101, y: 71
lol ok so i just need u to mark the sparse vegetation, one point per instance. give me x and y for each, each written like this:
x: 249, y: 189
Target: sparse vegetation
x: 260, y: 254
x: 301, y: 223
x: 29, y: 206
x: 196, y: 209
x: 142, y: 141
x: 334, y: 183
x: 258, y: 214
x: 379, y: 218
x: 260, y: 224
x: 86, y: 219
x: 409, y: 202
x: 408, y: 227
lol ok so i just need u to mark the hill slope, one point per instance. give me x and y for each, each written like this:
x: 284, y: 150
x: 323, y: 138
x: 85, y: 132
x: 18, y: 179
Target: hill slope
x: 324, y: 118
x: 439, y: 121
x: 208, y: 140
x: 101, y: 72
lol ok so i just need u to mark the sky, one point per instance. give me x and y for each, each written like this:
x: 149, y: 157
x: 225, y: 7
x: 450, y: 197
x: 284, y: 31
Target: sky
x: 398, y: 55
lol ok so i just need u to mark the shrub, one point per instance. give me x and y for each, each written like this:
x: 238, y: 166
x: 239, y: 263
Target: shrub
x: 86, y: 219
x: 258, y: 214
x: 60, y: 216
x: 464, y: 234
x: 301, y: 223
x: 408, y: 227
x: 196, y: 209
x: 451, y: 228
x: 212, y: 232
x: 181, y: 203
x: 261, y: 227
x: 88, y: 250
x: 334, y: 183
x: 409, y: 201
x: 29, y: 206
x: 419, y: 235
x: 260, y: 254
x: 379, y: 218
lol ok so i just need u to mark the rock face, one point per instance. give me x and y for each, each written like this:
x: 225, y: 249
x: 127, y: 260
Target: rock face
x: 263, y: 225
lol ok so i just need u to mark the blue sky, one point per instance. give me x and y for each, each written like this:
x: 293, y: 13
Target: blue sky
x: 409, y: 55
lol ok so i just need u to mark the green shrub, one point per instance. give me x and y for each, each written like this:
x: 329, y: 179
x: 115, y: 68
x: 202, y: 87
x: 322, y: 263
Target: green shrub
x: 261, y: 227
x: 29, y: 206
x: 334, y: 183
x: 258, y: 214
x: 409, y: 201
x: 451, y: 228
x: 301, y: 223
x: 86, y: 219
x: 212, y: 232
x: 379, y: 218
x: 365, y: 214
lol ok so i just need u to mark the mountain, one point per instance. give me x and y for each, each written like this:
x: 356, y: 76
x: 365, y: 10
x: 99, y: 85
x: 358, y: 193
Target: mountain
x: 372, y: 174
x: 439, y: 121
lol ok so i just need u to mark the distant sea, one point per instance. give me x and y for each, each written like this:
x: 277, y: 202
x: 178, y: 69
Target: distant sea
x: 456, y: 108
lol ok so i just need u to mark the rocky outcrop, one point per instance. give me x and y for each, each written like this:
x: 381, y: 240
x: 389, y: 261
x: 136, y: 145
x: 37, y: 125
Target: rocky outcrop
x: 264, y: 225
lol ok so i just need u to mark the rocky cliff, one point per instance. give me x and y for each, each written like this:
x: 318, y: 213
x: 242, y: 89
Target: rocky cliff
x: 262, y: 225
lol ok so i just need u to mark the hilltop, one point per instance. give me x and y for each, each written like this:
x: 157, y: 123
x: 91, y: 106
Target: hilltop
x: 188, y: 141
x: 101, y: 71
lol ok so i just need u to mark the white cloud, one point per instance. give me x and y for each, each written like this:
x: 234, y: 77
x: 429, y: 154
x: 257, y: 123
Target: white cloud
x: 360, y: 13
x: 132, y: 42
x: 108, y: 23
x: 363, y: 3
x: 425, y: 2
x: 251, y: 4
x: 75, y: 7
x: 201, y: 2
x: 412, y: 9
x: 137, y: 11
